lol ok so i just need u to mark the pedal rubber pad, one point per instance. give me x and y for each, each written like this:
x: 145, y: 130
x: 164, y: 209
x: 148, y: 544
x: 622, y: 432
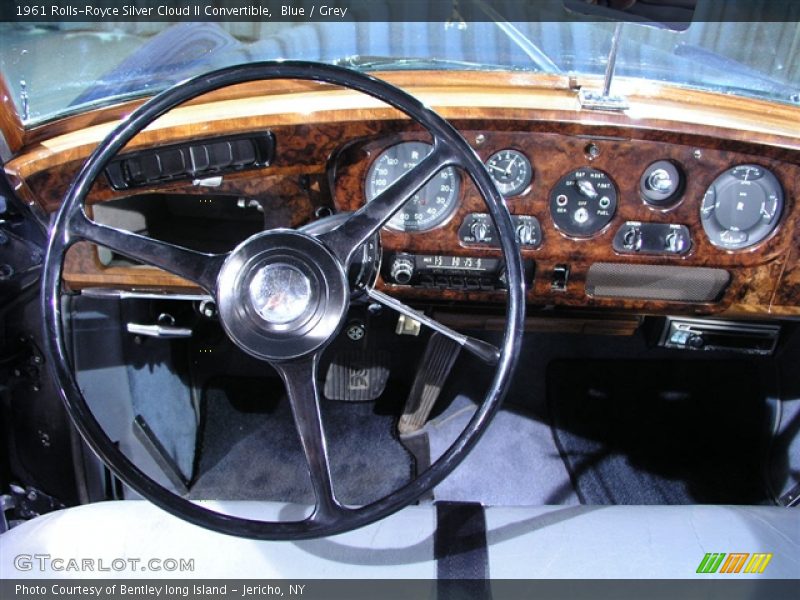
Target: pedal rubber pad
x: 357, y: 376
x: 435, y: 366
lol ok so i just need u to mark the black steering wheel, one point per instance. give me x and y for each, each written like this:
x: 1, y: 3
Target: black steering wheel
x: 289, y: 331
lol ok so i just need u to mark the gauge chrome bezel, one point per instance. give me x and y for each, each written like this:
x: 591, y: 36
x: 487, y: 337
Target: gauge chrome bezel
x: 442, y: 217
x: 516, y: 187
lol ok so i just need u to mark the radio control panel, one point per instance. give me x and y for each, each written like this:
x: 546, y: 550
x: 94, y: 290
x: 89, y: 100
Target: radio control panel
x: 449, y: 272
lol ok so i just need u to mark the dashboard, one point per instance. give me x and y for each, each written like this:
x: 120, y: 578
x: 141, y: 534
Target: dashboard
x: 602, y: 220
x: 629, y: 213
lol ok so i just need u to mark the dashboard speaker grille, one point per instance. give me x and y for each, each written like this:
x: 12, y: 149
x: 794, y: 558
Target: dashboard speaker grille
x: 656, y: 282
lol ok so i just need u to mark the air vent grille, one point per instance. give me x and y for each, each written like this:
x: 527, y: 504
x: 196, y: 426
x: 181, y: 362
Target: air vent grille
x: 197, y: 159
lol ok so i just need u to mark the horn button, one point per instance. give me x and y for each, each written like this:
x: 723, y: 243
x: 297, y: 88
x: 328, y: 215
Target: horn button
x: 281, y: 294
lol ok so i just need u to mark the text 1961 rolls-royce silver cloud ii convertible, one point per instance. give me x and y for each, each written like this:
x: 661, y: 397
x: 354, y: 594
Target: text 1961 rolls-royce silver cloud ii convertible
x: 404, y: 290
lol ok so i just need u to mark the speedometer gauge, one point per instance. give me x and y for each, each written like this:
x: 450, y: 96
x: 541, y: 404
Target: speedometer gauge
x: 431, y: 205
x: 511, y: 171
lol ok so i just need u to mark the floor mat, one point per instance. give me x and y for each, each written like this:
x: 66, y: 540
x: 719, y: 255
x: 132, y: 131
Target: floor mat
x: 250, y: 449
x: 515, y: 463
x: 660, y: 432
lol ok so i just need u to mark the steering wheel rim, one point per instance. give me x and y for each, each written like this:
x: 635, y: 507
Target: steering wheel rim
x: 72, y: 225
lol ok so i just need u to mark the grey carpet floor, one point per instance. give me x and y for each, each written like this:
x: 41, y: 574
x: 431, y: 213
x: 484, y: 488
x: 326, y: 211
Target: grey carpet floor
x: 519, y: 461
x: 250, y: 449
x: 515, y: 463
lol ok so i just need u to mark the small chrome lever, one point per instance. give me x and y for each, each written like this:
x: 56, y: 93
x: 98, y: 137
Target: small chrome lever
x: 487, y: 352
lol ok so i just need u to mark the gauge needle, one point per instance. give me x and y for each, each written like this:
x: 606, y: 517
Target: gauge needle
x: 511, y: 164
x: 491, y: 166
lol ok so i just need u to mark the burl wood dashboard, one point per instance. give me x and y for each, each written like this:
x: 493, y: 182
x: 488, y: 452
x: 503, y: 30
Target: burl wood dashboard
x: 326, y: 140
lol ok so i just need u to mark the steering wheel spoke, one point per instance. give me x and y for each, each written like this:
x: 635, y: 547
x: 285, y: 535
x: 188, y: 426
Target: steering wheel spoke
x: 300, y: 378
x: 198, y: 267
x: 366, y: 221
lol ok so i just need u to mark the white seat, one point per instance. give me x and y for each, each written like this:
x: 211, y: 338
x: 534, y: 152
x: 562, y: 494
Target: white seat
x: 534, y: 542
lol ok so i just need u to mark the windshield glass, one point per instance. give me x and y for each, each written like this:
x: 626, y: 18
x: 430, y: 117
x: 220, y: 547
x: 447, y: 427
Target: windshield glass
x: 53, y: 69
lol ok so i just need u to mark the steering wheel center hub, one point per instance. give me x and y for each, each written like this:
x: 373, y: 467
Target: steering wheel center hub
x: 281, y: 295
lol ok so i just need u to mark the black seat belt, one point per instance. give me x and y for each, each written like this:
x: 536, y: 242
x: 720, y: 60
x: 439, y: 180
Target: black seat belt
x: 462, y: 557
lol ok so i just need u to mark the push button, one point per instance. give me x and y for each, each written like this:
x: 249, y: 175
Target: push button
x: 457, y: 283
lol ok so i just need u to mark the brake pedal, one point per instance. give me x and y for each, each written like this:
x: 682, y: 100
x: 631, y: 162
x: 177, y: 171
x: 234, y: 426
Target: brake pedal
x: 357, y: 376
x: 436, y: 364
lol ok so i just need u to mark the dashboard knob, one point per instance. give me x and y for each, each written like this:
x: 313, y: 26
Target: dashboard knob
x: 402, y: 270
x: 632, y: 239
x: 696, y: 341
x: 675, y: 242
x: 479, y: 231
x: 581, y: 216
x: 525, y: 234
x: 587, y: 188
x: 660, y: 181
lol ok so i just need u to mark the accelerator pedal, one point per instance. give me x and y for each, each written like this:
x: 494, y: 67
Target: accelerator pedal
x: 357, y: 375
x: 436, y: 364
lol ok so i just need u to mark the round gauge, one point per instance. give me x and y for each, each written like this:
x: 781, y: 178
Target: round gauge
x: 511, y: 171
x: 431, y: 205
x: 741, y: 207
x: 583, y: 202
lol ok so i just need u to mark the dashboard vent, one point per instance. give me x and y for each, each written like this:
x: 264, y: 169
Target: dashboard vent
x: 197, y: 159
x: 656, y: 282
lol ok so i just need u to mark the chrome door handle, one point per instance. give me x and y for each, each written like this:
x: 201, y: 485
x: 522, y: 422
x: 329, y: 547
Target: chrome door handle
x: 164, y: 328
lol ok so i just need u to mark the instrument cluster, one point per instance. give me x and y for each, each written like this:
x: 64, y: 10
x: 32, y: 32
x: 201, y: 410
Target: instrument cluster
x: 740, y: 209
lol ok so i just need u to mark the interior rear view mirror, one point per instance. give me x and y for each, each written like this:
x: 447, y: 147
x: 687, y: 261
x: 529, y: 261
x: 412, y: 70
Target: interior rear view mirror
x: 666, y: 14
